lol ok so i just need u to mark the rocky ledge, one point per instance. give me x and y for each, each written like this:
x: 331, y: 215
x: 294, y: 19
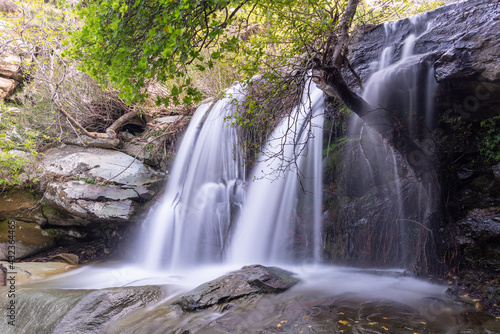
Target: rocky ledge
x: 81, y: 189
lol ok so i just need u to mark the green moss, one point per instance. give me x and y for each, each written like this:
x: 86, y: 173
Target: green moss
x: 48, y: 210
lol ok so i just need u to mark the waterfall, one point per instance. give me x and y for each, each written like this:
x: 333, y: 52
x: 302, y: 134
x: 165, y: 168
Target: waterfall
x: 280, y: 221
x: 191, y: 224
x: 401, y: 84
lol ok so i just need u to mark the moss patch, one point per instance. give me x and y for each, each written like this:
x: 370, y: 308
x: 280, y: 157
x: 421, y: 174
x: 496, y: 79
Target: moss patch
x: 17, y: 199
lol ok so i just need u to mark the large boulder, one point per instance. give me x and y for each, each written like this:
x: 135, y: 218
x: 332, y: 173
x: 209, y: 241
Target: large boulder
x: 100, y: 165
x: 249, y: 280
x: 95, y: 185
x: 92, y: 203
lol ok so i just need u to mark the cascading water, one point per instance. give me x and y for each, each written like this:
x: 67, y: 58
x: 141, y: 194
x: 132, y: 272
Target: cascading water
x: 280, y: 222
x: 401, y: 84
x: 192, y: 223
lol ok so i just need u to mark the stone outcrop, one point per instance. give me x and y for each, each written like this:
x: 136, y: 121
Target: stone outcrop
x: 97, y: 185
x: 84, y: 191
x: 479, y: 238
x: 457, y: 46
x: 31, y: 272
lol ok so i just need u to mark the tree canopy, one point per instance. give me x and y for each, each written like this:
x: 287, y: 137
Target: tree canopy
x: 130, y: 43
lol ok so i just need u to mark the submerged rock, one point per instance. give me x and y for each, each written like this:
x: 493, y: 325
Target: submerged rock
x: 250, y: 280
x: 306, y: 308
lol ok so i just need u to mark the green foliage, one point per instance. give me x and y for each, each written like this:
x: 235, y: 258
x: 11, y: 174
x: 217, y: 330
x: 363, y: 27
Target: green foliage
x: 131, y: 43
x: 426, y: 6
x: 489, y: 140
x: 17, y: 151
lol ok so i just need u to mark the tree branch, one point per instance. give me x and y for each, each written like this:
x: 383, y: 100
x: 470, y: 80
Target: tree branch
x: 345, y: 25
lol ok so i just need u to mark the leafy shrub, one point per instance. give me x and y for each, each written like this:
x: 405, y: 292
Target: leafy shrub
x: 489, y: 140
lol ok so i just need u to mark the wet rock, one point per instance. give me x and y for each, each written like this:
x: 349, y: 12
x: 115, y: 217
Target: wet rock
x: 482, y: 223
x: 30, y: 272
x: 479, y: 237
x: 21, y: 205
x: 65, y: 258
x: 463, y: 44
x: 75, y: 311
x: 28, y: 239
x: 250, y: 280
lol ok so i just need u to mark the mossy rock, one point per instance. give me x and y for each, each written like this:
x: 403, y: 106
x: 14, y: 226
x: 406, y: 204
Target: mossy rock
x: 21, y: 205
x: 29, y: 239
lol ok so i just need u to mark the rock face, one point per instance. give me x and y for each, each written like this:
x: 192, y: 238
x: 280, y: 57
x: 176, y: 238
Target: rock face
x: 479, y: 237
x: 455, y: 58
x: 463, y: 43
x: 85, y: 198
